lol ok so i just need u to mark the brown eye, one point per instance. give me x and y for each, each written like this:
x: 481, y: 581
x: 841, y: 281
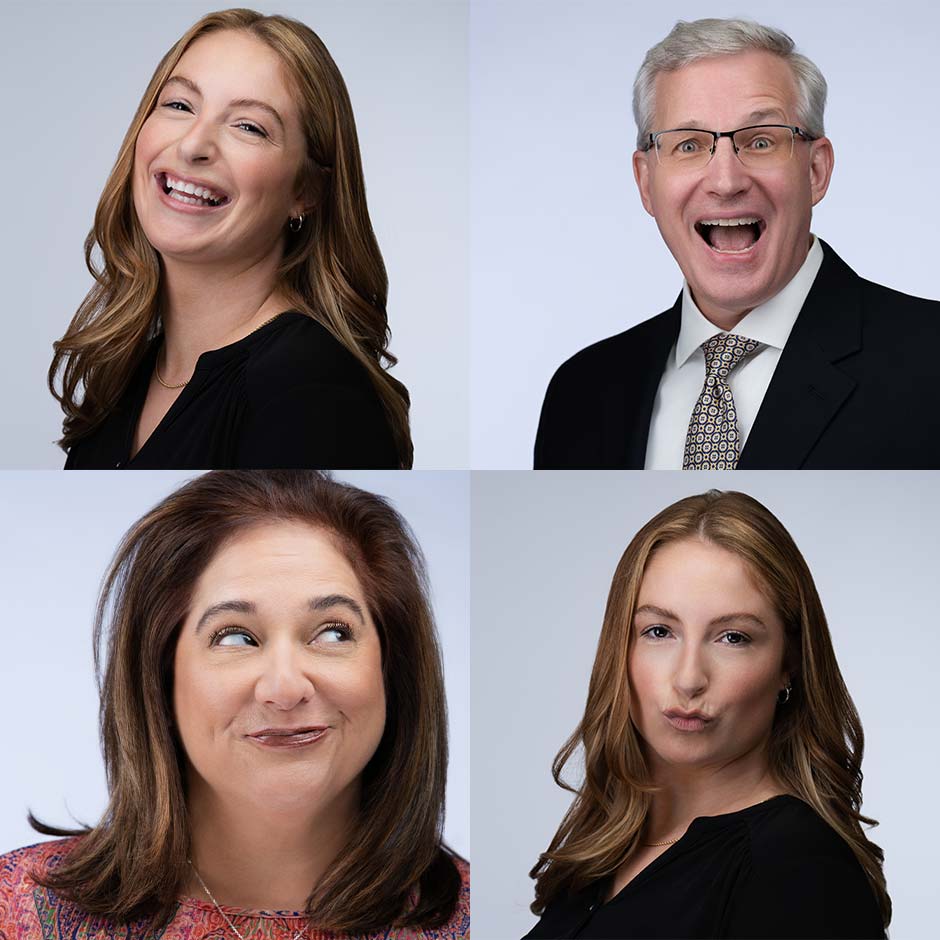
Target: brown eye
x: 217, y: 638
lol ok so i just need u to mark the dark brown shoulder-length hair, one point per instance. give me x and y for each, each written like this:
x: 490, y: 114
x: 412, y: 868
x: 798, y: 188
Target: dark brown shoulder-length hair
x: 816, y: 742
x: 332, y: 270
x: 394, y: 869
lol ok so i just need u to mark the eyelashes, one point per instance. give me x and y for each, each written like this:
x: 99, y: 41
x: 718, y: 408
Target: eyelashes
x: 341, y: 632
x: 740, y: 639
x: 254, y: 129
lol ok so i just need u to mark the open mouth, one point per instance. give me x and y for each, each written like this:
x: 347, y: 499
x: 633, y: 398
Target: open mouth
x: 200, y: 196
x: 731, y: 236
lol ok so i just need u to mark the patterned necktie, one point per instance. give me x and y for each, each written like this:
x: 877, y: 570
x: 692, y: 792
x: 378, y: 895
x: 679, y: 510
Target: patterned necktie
x: 713, y: 441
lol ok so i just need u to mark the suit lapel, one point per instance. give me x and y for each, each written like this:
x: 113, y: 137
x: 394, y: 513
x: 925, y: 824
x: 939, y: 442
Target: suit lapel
x: 629, y: 412
x: 807, y: 390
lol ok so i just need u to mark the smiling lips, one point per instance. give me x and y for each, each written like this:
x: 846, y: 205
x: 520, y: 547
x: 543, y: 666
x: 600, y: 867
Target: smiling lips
x: 196, y: 194
x: 733, y: 235
x: 289, y: 737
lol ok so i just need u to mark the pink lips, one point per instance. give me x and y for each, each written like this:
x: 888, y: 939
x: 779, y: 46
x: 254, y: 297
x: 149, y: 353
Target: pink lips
x: 288, y: 738
x: 184, y: 207
x: 686, y: 721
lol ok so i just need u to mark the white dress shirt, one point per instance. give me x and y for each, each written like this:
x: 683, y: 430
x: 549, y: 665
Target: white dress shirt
x: 684, y: 375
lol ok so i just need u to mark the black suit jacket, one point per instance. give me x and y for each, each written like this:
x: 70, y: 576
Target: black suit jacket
x: 857, y: 386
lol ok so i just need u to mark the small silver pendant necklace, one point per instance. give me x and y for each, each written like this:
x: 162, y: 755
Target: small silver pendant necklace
x: 205, y: 888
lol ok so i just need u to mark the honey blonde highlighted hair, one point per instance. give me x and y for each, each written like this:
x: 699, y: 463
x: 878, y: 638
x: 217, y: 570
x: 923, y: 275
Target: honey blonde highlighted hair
x: 816, y: 742
x: 132, y: 865
x: 332, y: 270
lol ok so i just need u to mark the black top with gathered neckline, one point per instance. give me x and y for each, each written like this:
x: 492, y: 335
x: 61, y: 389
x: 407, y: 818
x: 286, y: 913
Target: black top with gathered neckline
x: 772, y: 870
x: 288, y: 395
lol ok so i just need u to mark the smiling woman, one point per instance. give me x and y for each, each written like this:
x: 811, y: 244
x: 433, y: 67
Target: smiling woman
x: 238, y: 319
x: 722, y: 752
x: 274, y: 730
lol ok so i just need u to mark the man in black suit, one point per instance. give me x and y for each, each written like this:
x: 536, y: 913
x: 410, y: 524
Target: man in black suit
x: 776, y: 354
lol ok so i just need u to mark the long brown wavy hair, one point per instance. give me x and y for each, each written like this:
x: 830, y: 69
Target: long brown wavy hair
x: 394, y: 869
x: 816, y: 743
x: 332, y: 270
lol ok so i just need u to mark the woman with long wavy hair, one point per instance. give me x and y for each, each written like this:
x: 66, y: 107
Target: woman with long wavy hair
x: 274, y: 729
x: 238, y: 316
x: 722, y: 751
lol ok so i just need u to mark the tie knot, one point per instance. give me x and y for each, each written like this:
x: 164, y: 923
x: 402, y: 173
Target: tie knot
x: 724, y: 351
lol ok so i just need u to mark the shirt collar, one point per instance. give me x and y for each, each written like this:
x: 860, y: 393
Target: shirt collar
x: 770, y: 323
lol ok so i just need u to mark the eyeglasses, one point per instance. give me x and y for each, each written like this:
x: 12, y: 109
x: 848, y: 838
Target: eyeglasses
x: 759, y: 146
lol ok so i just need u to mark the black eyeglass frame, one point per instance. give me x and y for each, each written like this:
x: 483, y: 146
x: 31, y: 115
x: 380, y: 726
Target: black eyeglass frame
x: 717, y: 135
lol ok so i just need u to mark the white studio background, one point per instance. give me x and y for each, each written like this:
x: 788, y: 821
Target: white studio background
x: 563, y: 253
x: 545, y: 547
x: 60, y: 532
x: 74, y: 74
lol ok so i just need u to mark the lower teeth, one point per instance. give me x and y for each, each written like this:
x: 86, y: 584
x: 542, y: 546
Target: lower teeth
x: 190, y: 200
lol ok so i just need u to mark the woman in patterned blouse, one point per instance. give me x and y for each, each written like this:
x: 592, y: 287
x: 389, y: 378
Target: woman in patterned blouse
x: 274, y: 730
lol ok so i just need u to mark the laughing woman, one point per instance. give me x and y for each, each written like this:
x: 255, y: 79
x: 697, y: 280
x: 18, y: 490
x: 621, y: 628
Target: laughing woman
x: 722, y: 752
x: 238, y: 319
x: 274, y: 730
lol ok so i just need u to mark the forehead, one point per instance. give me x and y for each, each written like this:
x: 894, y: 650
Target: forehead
x: 278, y: 558
x: 232, y: 64
x: 700, y: 579
x: 724, y: 92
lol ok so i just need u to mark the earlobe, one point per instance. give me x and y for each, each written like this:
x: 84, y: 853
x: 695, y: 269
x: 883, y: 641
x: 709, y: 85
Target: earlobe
x: 641, y: 173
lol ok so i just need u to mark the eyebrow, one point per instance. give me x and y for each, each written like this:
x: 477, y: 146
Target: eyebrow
x: 735, y: 617
x: 234, y: 103
x: 315, y: 604
x: 754, y: 116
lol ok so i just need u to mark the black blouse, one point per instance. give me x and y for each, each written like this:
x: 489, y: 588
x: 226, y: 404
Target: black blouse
x: 288, y: 395
x: 772, y: 870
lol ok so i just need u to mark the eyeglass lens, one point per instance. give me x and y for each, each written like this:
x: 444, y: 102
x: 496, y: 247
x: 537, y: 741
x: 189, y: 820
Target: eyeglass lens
x: 756, y: 146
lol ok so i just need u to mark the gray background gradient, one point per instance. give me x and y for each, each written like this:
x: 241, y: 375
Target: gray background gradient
x: 563, y: 253
x: 74, y: 74
x: 545, y: 546
x: 60, y: 531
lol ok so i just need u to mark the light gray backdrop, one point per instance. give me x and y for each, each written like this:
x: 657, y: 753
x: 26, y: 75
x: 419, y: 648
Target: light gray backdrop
x: 74, y: 74
x: 562, y: 252
x: 545, y: 546
x: 60, y: 531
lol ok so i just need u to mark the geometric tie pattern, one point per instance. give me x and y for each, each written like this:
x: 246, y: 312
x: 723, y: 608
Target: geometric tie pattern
x: 713, y: 441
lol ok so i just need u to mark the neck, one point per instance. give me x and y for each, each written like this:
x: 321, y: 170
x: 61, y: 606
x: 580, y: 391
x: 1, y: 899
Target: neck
x: 254, y: 858
x: 206, y: 308
x: 708, y: 791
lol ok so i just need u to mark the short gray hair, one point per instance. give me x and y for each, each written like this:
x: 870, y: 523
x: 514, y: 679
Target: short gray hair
x: 705, y: 39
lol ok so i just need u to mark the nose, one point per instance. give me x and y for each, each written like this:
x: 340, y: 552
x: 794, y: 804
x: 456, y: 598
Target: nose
x: 285, y: 680
x: 198, y: 144
x: 726, y: 175
x: 690, y: 678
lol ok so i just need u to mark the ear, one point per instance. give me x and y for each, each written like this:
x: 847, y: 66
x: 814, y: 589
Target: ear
x: 309, y: 193
x: 641, y: 173
x: 821, y: 161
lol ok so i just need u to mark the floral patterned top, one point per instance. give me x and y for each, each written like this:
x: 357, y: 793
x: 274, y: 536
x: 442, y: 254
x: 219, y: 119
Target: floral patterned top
x: 31, y: 912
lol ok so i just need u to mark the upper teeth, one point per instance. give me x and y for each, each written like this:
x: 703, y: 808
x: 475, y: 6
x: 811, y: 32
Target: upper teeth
x: 199, y: 191
x: 729, y: 221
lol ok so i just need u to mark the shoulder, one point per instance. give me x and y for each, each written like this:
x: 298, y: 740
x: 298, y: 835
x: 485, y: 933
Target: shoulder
x: 458, y: 926
x: 881, y: 305
x: 299, y: 350
x: 607, y: 357
x: 19, y: 904
x: 802, y: 879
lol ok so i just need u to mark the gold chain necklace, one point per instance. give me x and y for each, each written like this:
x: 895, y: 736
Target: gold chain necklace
x: 205, y: 887
x: 667, y: 842
x: 156, y: 367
